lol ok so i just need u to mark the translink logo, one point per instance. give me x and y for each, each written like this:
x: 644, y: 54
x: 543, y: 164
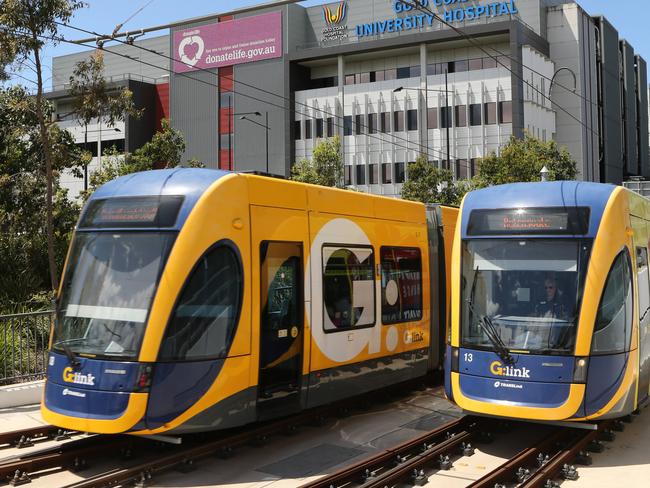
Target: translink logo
x: 498, y: 369
x: 69, y: 376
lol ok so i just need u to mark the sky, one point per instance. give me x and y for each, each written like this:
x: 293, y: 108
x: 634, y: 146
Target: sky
x: 103, y: 15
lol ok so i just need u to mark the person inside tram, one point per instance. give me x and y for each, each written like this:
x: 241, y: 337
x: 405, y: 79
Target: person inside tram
x: 552, y: 306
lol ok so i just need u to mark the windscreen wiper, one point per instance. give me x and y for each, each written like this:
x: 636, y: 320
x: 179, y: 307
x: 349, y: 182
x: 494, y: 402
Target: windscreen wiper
x: 72, y: 359
x: 488, y: 327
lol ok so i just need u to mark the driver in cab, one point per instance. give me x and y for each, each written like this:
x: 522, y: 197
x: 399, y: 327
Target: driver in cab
x: 553, y: 307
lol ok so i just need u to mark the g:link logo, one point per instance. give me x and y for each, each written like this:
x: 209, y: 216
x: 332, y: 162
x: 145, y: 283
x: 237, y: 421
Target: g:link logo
x: 498, y: 369
x: 69, y: 376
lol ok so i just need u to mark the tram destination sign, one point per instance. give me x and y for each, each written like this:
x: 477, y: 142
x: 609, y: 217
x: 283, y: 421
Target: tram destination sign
x: 530, y: 221
x: 132, y: 212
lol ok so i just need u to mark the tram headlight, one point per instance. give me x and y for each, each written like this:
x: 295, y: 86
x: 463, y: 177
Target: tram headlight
x: 455, y: 359
x: 580, y: 370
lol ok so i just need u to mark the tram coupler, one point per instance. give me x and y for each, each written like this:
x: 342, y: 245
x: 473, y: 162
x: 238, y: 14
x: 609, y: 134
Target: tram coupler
x: 20, y: 478
x: 444, y: 463
x: 522, y: 475
x: 584, y: 458
x: 466, y: 449
x: 607, y: 435
x: 418, y: 478
x: 618, y: 426
x: 570, y: 472
x: 596, y: 446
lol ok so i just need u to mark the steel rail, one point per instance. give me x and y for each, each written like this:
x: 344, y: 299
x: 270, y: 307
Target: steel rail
x: 380, y: 469
x: 558, y: 466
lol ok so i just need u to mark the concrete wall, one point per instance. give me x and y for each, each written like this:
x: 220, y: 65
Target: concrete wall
x: 572, y: 39
x: 118, y: 66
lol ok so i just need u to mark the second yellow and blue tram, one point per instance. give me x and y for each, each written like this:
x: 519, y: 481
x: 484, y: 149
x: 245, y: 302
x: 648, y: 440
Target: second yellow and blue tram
x: 550, y: 302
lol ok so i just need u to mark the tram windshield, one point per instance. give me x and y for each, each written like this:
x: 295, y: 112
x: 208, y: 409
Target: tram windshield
x: 107, y: 292
x: 522, y: 295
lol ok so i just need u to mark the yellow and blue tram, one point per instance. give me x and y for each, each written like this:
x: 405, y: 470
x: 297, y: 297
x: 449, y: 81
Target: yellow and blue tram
x: 550, y: 302
x: 196, y: 300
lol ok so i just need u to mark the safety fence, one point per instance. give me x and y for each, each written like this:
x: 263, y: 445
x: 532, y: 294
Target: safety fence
x: 23, y: 346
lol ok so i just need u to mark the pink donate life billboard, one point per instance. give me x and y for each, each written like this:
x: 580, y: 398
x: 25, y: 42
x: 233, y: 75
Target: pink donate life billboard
x: 228, y: 43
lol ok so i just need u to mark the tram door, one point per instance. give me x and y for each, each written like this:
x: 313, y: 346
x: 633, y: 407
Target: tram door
x: 281, y: 309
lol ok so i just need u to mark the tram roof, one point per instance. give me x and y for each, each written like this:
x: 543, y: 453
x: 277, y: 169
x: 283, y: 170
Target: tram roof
x: 538, y: 195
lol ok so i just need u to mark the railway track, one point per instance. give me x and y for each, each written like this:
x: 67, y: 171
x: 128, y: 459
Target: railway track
x: 414, y: 462
x: 154, y: 458
x: 23, y: 438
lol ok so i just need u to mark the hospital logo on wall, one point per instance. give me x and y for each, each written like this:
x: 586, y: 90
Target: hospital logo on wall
x: 336, y: 28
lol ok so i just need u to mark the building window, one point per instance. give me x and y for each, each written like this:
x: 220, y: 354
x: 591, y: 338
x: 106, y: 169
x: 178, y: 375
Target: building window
x: 364, y: 78
x: 385, y: 122
x: 390, y: 74
x: 458, y: 66
x: 386, y: 173
x: 432, y: 118
x: 403, y: 73
x: 474, y: 166
x: 415, y: 71
x: 372, y: 123
x: 399, y: 173
x: 436, y: 69
x: 412, y: 119
x: 475, y: 64
x: 358, y: 125
x: 445, y: 117
x: 463, y: 169
x: 398, y: 121
x: 348, y: 174
x: 504, y: 61
x: 330, y: 126
x: 297, y: 134
x: 461, y: 116
x: 444, y: 164
x: 113, y: 146
x: 319, y: 128
x: 308, y: 129
x: 224, y: 142
x: 489, y: 63
x: 361, y: 174
x: 490, y: 113
x: 378, y: 76
x: 349, y: 79
x: 347, y: 125
x: 374, y: 174
x: 475, y: 114
x: 226, y: 99
x: 505, y: 112
x: 401, y: 285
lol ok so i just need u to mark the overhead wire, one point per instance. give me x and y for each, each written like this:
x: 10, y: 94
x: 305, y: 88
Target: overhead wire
x: 251, y: 97
x: 418, y: 6
x: 410, y: 144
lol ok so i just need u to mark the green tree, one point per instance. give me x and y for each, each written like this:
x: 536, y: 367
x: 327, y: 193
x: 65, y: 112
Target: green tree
x: 165, y: 150
x: 23, y: 232
x: 326, y: 166
x: 523, y: 159
x: 428, y: 184
x: 28, y: 25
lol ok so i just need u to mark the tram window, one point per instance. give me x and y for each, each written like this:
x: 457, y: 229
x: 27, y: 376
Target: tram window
x: 401, y: 285
x: 614, y: 319
x: 348, y: 287
x: 642, y: 280
x: 204, y: 320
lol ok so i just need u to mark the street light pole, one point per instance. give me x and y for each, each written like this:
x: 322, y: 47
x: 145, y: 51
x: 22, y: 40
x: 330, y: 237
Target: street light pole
x: 447, y: 119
